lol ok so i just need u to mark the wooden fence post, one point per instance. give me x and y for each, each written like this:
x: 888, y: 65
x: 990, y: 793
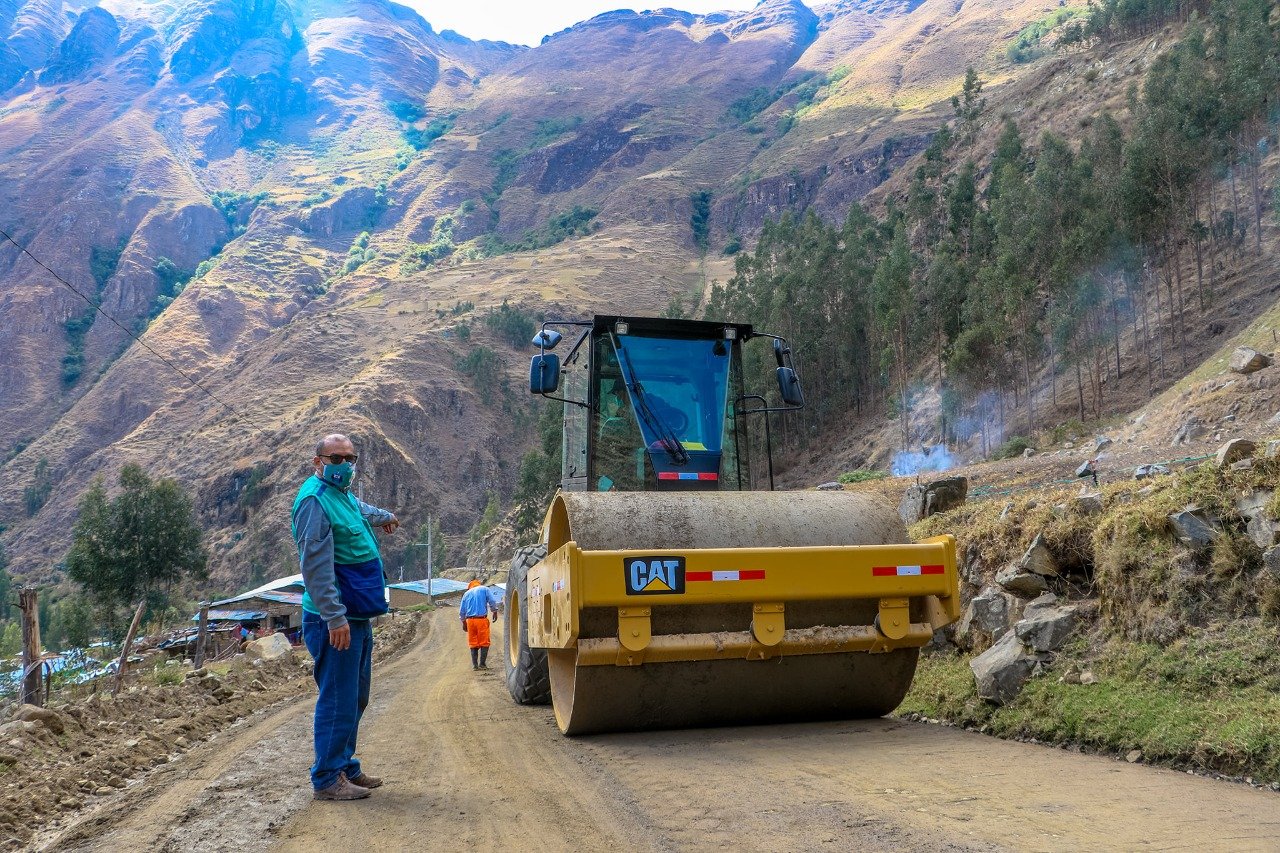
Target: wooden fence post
x: 32, y: 692
x: 202, y: 637
x: 128, y: 644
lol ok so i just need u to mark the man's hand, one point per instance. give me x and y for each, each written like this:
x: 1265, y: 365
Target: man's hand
x: 390, y: 526
x: 340, y: 638
x: 495, y: 617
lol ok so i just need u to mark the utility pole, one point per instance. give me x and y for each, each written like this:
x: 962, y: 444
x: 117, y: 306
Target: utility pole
x: 202, y: 637
x: 32, y: 692
x: 429, y: 545
x: 128, y: 644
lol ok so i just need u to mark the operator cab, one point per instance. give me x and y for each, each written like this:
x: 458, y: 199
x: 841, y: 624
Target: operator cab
x: 654, y: 404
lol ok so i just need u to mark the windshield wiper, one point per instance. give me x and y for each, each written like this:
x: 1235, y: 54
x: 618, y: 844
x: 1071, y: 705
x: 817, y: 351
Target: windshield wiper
x: 666, y: 436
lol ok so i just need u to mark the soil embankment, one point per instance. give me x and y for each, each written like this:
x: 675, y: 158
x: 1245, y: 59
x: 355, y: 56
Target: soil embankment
x: 465, y: 768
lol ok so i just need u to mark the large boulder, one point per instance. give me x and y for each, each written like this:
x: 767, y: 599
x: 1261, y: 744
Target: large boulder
x: 926, y: 499
x: 988, y: 614
x: 1235, y: 450
x: 47, y: 717
x: 271, y: 647
x: 1146, y: 472
x: 1193, y: 528
x: 1248, y: 360
x: 1038, y: 559
x: 1001, y: 670
x: 1046, y: 629
x: 1191, y: 430
x: 1019, y: 582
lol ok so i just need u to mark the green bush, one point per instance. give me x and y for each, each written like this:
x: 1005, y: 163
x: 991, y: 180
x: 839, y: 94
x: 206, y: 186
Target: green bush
x: 1011, y: 448
x: 512, y: 325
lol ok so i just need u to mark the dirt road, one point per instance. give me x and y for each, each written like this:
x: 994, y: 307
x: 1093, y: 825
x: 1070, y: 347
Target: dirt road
x: 467, y: 769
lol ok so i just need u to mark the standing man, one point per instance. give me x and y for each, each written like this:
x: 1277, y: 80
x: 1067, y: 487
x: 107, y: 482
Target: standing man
x: 342, y: 573
x: 474, y: 609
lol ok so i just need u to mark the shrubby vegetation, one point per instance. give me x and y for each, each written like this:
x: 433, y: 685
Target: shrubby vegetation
x: 577, y: 222
x: 513, y: 325
x: 539, y: 471
x: 700, y: 220
x: 1058, y: 255
x: 35, y: 496
x: 360, y: 253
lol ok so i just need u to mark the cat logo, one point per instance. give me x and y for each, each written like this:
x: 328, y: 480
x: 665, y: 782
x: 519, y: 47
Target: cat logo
x: 654, y: 575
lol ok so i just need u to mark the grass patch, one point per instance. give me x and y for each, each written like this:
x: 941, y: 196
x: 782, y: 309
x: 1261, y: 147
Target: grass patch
x: 1208, y: 701
x: 862, y: 475
x: 578, y: 222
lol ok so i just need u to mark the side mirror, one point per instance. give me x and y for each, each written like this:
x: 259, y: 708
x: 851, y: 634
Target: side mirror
x: 547, y: 339
x: 789, y: 387
x: 544, y: 374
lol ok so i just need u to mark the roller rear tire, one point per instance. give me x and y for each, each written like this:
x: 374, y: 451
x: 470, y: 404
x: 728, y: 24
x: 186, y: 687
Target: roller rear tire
x: 527, y: 678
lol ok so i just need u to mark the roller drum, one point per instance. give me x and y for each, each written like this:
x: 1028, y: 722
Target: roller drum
x: 592, y: 699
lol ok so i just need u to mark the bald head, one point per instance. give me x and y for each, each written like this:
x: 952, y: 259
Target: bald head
x: 330, y: 444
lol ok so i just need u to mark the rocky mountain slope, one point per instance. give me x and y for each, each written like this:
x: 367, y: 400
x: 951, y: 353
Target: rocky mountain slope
x: 205, y: 172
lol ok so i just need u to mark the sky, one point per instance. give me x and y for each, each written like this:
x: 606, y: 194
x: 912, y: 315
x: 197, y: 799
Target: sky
x: 527, y: 21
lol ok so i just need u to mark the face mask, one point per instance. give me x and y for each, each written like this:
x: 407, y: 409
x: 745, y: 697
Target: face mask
x: 339, y: 475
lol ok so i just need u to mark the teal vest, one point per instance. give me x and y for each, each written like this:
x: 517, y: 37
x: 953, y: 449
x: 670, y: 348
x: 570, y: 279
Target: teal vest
x: 353, y: 539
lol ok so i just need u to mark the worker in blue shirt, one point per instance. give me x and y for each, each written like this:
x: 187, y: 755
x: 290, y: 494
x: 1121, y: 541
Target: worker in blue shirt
x: 477, y: 604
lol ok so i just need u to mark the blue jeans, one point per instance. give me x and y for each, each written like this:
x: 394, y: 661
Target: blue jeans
x: 343, y: 678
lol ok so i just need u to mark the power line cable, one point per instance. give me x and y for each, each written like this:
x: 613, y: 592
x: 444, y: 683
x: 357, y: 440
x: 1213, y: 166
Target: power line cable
x: 97, y: 307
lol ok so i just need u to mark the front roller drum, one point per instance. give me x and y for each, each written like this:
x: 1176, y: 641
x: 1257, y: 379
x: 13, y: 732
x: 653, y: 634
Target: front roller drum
x: 595, y: 699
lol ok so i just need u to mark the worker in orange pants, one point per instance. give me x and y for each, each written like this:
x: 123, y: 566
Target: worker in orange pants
x: 478, y: 604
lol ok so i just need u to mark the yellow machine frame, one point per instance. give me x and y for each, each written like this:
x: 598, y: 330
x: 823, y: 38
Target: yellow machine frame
x: 571, y: 579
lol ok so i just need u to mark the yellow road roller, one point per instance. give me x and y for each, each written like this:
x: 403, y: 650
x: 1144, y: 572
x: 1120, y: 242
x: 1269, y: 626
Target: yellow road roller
x: 672, y: 586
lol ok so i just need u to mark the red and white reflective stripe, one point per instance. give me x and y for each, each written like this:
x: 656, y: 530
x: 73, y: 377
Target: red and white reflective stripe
x: 687, y: 475
x: 748, y: 575
x: 901, y: 571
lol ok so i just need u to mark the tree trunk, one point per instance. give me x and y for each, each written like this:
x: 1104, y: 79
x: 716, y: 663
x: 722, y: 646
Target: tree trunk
x: 1256, y: 163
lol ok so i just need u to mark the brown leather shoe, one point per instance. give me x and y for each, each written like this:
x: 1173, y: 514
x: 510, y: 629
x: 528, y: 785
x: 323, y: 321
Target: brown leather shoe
x: 364, y: 780
x: 343, y: 789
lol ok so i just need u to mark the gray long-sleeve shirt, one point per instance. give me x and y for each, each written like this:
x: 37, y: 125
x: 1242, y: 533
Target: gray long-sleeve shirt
x: 314, y: 537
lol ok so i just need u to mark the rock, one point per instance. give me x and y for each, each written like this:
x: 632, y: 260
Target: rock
x: 926, y: 499
x: 1145, y: 472
x: 1046, y: 629
x: 104, y: 790
x: 1235, y: 450
x: 1192, y: 528
x: 1133, y: 756
x: 1020, y: 582
x: 1068, y: 445
x: 831, y: 487
x: 1191, y: 430
x: 1027, y: 453
x: 1001, y: 670
x: 1004, y: 513
x: 1087, y: 677
x: 988, y: 612
x: 271, y: 647
x: 50, y: 719
x: 1071, y: 676
x: 197, y: 673
x: 180, y: 743
x: 1272, y: 451
x: 1263, y: 531
x: 1088, y: 504
x: 1087, y: 469
x: 1242, y: 465
x: 1037, y: 559
x: 1274, y: 420
x: 1046, y: 600
x: 1102, y: 442
x: 1248, y: 360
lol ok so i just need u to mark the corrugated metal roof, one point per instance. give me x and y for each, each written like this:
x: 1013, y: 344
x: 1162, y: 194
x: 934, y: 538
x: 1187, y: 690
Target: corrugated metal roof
x: 278, y: 585
x: 233, y: 615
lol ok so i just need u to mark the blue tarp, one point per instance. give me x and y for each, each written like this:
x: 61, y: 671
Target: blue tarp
x: 232, y: 616
x: 439, y: 586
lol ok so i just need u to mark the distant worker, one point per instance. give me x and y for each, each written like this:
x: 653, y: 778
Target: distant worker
x: 345, y: 589
x: 1089, y: 469
x: 477, y: 604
